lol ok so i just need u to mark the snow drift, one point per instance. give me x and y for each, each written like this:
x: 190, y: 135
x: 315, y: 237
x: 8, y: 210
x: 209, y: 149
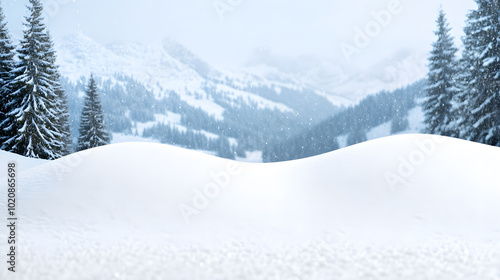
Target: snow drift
x: 409, y: 206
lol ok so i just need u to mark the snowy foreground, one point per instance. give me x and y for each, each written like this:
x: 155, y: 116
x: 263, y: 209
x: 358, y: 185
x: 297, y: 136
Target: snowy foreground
x: 403, y: 207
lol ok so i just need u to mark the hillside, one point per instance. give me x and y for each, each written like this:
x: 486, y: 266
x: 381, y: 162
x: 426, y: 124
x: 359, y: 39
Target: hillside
x: 165, y: 93
x: 379, y: 115
x: 427, y: 204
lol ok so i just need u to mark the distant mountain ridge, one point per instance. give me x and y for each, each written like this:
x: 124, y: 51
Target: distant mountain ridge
x: 166, y: 93
x: 168, y: 67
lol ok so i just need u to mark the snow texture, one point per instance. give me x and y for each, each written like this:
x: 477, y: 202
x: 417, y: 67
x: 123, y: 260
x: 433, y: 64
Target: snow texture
x: 114, y: 213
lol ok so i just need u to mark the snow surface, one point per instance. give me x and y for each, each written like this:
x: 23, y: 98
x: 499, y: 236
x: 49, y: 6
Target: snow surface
x: 6, y: 157
x: 123, y: 138
x: 250, y: 98
x: 114, y: 213
x: 253, y: 157
x: 169, y: 118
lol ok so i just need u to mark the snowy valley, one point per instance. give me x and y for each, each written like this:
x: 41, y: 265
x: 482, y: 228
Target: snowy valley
x: 164, y: 93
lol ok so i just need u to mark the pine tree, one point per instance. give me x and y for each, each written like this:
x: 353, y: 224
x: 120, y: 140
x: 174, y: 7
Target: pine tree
x: 356, y: 136
x: 62, y: 108
x: 442, y: 81
x: 64, y: 123
x: 482, y: 43
x: 92, y: 129
x: 467, y: 67
x: 7, y: 63
x: 224, y: 148
x: 400, y: 121
x: 33, y: 100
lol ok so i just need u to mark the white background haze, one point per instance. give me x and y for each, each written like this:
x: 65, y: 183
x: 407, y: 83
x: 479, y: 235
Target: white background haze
x: 288, y: 34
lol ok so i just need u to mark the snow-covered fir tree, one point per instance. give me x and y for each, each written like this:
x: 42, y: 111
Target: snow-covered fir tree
x: 34, y: 103
x: 467, y: 66
x: 224, y: 148
x: 399, y: 122
x: 63, y: 116
x: 7, y: 53
x: 442, y: 81
x: 92, y: 130
x: 357, y: 135
x: 64, y: 123
x: 482, y: 94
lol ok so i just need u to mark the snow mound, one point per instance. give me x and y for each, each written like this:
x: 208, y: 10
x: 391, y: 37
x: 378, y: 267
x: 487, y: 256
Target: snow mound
x: 26, y: 163
x: 151, y: 211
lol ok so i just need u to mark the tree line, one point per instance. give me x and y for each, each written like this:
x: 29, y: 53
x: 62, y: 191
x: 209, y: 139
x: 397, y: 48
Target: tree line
x: 463, y: 95
x: 354, y: 122
x: 34, y: 115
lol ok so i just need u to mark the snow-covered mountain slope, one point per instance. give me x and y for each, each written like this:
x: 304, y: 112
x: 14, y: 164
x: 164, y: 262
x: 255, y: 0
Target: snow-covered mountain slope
x: 402, y: 207
x: 79, y: 56
x: 341, y: 84
x: 164, y: 68
x: 415, y: 125
x: 390, y: 74
x: 166, y: 93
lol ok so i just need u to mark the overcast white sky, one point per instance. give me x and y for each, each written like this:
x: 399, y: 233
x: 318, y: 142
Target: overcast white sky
x: 290, y: 29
